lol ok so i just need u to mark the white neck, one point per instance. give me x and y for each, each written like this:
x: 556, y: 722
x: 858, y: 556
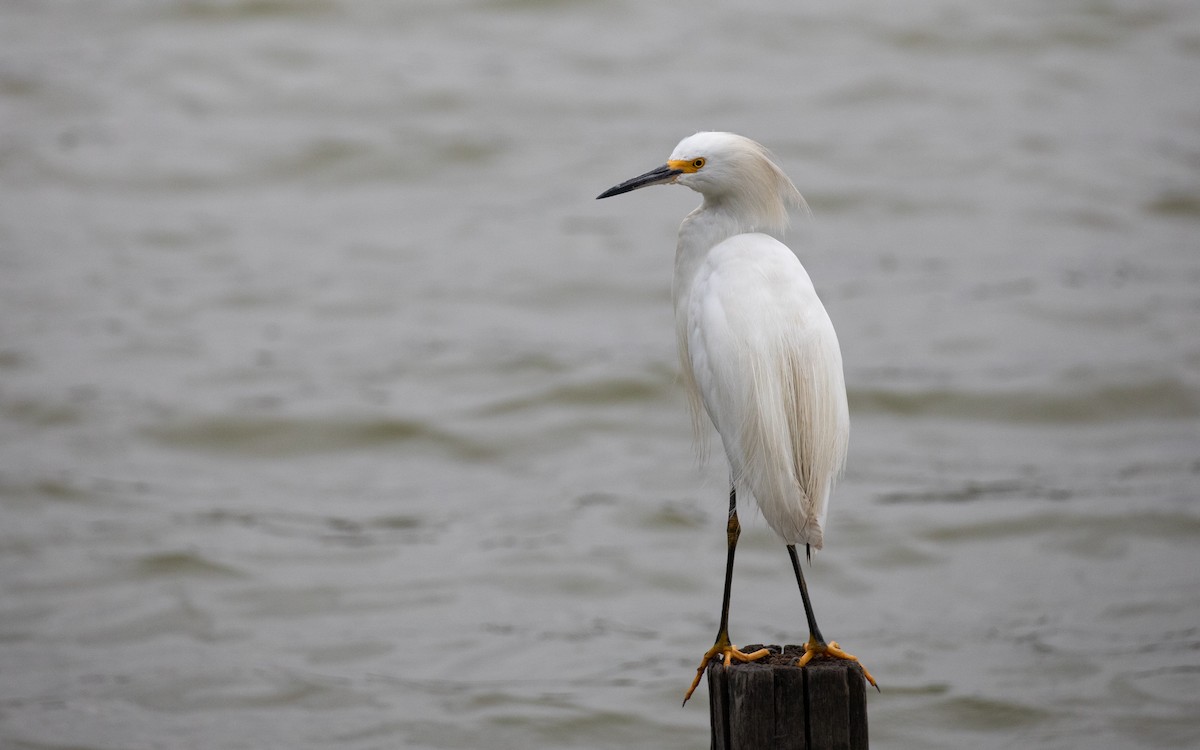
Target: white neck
x: 701, y: 231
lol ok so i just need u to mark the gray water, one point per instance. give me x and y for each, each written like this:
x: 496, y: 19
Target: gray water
x: 336, y: 412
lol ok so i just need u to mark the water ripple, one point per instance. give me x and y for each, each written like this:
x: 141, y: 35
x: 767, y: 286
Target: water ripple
x: 604, y: 392
x: 276, y: 437
x: 1156, y: 399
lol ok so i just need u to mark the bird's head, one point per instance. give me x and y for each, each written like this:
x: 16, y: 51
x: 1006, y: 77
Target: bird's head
x: 733, y: 173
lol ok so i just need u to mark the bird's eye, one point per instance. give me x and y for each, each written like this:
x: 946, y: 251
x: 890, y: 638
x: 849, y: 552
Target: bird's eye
x: 698, y: 163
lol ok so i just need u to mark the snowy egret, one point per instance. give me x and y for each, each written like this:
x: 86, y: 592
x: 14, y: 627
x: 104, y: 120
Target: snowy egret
x: 759, y: 354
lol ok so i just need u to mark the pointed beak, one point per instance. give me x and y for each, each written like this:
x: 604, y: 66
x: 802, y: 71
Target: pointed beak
x: 658, y: 176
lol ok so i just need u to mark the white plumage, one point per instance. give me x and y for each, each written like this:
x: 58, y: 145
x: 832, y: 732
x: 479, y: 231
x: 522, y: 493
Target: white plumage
x: 758, y: 350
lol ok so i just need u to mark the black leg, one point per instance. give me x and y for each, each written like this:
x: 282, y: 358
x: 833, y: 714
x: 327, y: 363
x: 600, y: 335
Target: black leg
x: 723, y: 646
x: 816, y: 645
x: 814, y: 632
x: 733, y: 530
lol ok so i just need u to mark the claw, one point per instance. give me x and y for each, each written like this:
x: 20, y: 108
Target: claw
x: 730, y: 652
x: 817, y: 648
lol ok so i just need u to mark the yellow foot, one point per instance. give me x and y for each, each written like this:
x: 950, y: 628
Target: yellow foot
x: 816, y: 648
x: 730, y: 653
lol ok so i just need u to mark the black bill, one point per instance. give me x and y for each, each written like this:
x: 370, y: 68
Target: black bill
x: 653, y: 177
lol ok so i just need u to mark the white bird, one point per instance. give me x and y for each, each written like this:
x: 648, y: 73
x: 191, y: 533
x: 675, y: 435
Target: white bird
x: 758, y: 351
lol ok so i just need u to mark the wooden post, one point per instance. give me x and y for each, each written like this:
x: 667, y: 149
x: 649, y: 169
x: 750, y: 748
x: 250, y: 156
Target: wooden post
x: 771, y: 703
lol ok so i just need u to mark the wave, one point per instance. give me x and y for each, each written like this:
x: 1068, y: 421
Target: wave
x: 278, y: 437
x: 1157, y: 399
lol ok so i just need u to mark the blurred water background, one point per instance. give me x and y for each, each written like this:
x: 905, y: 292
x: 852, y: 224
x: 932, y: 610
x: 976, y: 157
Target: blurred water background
x: 336, y: 412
